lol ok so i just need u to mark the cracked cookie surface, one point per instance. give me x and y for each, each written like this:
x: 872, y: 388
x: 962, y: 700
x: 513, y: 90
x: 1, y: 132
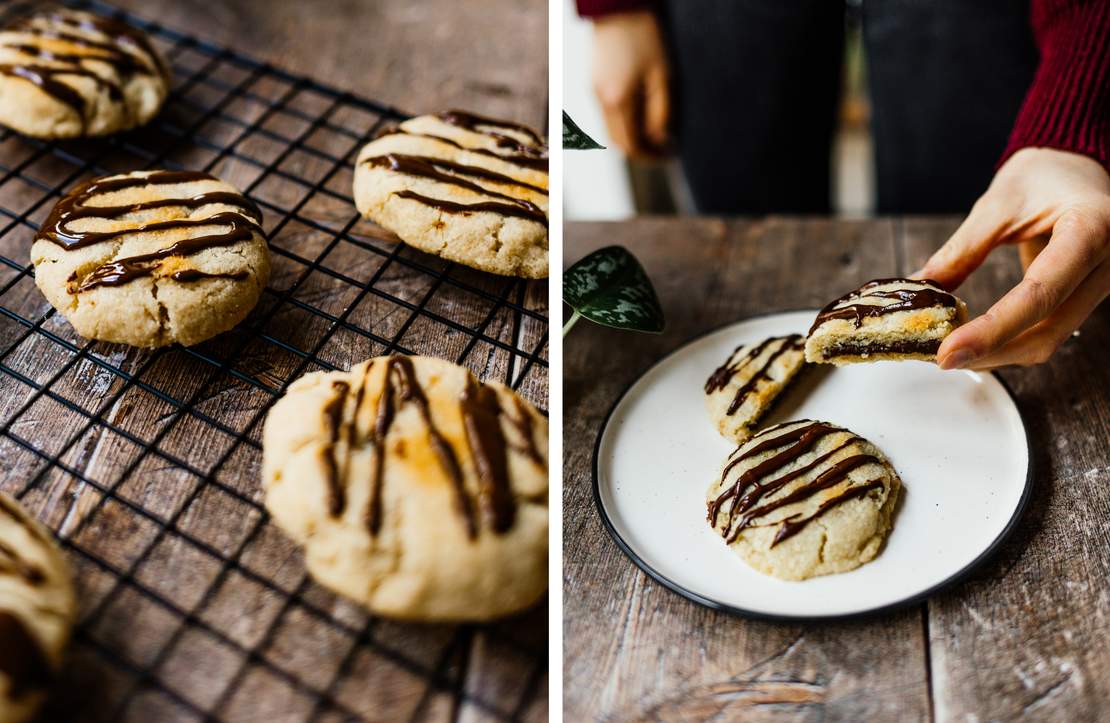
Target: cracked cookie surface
x: 467, y: 188
x: 803, y: 499
x: 152, y: 257
x: 67, y: 73
x: 37, y: 608
x: 416, y: 490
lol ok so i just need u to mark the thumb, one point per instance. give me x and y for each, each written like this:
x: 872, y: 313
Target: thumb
x: 966, y: 249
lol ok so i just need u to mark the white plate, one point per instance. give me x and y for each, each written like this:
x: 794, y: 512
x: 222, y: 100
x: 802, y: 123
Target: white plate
x: 956, y: 439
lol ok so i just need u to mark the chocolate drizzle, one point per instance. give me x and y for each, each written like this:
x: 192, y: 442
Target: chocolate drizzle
x: 520, y: 209
x: 921, y: 296
x: 434, y: 168
x: 803, y: 438
x: 22, y: 659
x: 58, y: 227
x: 749, y: 496
x: 481, y: 124
x: 333, y: 415
x: 46, y: 78
x: 793, y: 525
x: 534, y: 160
x: 481, y: 410
x: 122, y: 271
x: 75, y: 206
x: 110, y: 50
x: 188, y: 275
x: 724, y: 374
x: 523, y: 423
x: 401, y: 382
x: 426, y: 167
x: 481, y: 413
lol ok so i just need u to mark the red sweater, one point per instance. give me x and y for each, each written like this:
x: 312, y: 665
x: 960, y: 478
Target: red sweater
x: 1068, y: 105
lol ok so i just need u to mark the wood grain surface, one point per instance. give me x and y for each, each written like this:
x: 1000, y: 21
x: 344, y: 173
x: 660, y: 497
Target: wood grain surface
x: 418, y: 56
x: 1026, y: 637
x: 146, y: 463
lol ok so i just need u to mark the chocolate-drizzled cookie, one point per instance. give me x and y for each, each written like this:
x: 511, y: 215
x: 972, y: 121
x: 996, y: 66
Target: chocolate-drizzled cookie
x: 66, y: 73
x: 885, y: 319
x: 740, y: 391
x: 152, y: 257
x: 804, y: 498
x: 37, y: 608
x: 465, y: 187
x: 417, y: 490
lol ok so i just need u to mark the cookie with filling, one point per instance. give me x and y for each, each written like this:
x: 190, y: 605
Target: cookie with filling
x: 885, y: 319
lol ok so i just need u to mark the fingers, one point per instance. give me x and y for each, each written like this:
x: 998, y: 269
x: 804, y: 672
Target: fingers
x: 616, y: 95
x: 1076, y: 248
x: 1028, y: 251
x: 967, y: 248
x: 657, y: 108
x: 638, y: 119
x: 1036, y: 345
x: 620, y: 119
x: 630, y: 72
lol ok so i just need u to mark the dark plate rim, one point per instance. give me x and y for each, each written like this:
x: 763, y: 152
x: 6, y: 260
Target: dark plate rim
x: 694, y: 597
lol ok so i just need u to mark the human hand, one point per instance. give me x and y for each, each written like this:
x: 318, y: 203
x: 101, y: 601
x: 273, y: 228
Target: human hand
x: 631, y: 81
x: 1055, y: 206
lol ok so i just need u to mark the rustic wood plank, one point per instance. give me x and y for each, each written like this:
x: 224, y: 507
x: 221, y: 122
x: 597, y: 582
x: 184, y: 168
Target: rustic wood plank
x: 633, y: 650
x: 1028, y: 636
x: 424, y: 56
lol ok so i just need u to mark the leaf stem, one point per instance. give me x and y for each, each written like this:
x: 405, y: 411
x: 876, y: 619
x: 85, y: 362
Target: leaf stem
x: 571, y: 322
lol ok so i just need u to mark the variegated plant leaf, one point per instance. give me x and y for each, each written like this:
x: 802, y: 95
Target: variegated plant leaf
x: 609, y: 287
x: 574, y: 138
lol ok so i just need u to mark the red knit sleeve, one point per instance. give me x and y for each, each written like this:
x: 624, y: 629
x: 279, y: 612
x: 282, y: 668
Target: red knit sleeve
x: 597, y: 8
x: 1068, y: 105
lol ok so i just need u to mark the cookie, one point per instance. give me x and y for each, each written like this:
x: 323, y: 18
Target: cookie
x: 467, y: 188
x: 742, y: 389
x: 37, y: 609
x: 803, y: 499
x: 416, y: 490
x: 885, y: 319
x: 152, y: 257
x: 66, y: 73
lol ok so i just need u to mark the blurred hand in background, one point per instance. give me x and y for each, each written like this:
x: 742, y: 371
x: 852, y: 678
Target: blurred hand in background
x: 1055, y: 206
x: 631, y: 80
x: 757, y: 115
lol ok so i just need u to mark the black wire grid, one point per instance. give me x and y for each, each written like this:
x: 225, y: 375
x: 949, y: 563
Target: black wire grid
x: 146, y: 464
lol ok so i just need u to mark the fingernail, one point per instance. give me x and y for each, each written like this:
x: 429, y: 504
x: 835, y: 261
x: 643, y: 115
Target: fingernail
x: 957, y: 359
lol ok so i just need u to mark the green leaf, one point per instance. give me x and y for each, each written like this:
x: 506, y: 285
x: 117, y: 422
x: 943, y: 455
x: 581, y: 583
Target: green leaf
x: 609, y: 287
x: 574, y: 138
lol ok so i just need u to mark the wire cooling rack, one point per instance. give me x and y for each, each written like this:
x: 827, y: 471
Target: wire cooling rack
x: 146, y: 463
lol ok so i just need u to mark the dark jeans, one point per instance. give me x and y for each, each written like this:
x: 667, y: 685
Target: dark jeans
x: 757, y: 83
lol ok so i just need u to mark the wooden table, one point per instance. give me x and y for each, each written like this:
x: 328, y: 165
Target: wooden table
x: 191, y: 603
x: 424, y: 56
x: 1028, y: 636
